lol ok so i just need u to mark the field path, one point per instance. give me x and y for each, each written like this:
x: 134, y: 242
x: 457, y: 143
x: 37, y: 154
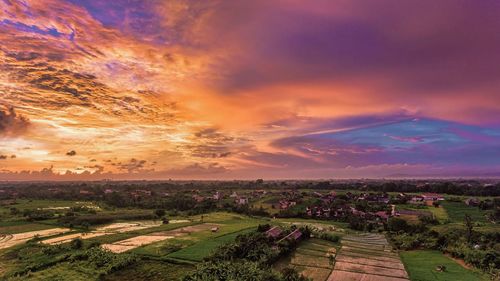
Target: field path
x: 367, y: 257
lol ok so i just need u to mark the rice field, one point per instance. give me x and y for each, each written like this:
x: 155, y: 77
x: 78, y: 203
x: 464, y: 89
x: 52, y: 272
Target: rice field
x: 367, y: 257
x: 313, y: 258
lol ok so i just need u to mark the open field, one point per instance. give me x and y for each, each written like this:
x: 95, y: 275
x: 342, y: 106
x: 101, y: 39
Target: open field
x: 198, y: 245
x: 141, y: 240
x: 439, y: 213
x: 457, y: 210
x: 104, y: 230
x: 11, y: 227
x: 367, y: 257
x: 421, y: 266
x: 47, y: 204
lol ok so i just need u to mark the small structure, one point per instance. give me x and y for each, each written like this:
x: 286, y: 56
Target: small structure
x: 472, y: 202
x: 417, y: 200
x: 198, y: 198
x: 432, y: 197
x: 242, y: 201
x: 294, y: 236
x: 382, y: 215
x: 217, y: 196
x: 274, y: 232
x: 214, y: 229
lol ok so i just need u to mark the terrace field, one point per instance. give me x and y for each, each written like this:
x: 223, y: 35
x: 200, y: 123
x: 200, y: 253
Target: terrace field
x: 367, y: 257
x: 313, y: 258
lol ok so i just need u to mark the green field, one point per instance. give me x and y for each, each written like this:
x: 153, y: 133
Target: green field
x: 421, y: 266
x: 12, y: 227
x: 204, y: 248
x: 35, y: 204
x: 457, y: 210
x: 200, y: 244
x: 439, y: 213
x: 151, y: 270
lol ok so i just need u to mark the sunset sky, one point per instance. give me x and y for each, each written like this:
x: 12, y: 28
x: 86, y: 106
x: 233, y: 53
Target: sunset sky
x: 234, y: 89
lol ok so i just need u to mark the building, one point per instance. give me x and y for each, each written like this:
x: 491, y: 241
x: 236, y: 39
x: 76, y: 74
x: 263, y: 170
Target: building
x: 274, y: 232
x: 472, y: 202
x: 294, y: 236
x: 432, y: 197
x: 242, y: 201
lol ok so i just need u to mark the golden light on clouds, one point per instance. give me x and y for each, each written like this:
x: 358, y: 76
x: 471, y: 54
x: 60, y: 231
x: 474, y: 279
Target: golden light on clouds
x: 231, y: 89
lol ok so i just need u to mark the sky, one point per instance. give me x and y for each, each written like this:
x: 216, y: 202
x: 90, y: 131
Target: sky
x: 233, y: 89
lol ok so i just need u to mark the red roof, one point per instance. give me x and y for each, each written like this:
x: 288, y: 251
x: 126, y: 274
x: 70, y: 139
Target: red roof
x: 274, y: 232
x: 382, y: 214
x: 432, y: 195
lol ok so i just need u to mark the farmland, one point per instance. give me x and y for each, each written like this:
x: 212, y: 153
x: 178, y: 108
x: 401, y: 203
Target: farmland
x: 421, y: 266
x: 367, y: 257
x: 156, y: 235
x: 313, y: 258
x: 457, y: 210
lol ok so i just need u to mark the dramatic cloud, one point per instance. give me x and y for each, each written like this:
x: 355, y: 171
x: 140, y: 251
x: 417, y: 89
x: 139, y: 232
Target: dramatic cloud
x: 248, y: 89
x: 11, y: 124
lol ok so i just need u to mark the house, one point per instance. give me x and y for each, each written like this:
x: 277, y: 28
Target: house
x: 432, y: 197
x: 285, y: 204
x: 417, y: 200
x: 294, y: 236
x: 274, y: 232
x: 198, y: 198
x: 234, y: 195
x: 242, y: 201
x: 382, y: 214
x: 217, y: 196
x: 108, y: 191
x: 86, y: 192
x: 472, y: 202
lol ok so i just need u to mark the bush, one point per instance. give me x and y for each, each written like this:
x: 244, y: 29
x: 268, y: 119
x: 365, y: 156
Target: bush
x: 329, y: 237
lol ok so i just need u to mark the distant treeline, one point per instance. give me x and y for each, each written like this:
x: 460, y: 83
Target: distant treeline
x: 96, y: 190
x: 445, y: 187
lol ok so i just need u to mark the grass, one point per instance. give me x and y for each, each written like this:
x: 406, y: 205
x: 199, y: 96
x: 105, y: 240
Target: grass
x: 13, y: 227
x: 421, y: 266
x: 200, y: 250
x: 151, y: 270
x: 22, y: 204
x: 199, y: 245
x: 457, y: 210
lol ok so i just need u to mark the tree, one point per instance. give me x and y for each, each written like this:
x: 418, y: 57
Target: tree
x: 160, y: 213
x: 469, y: 226
x: 76, y: 243
x: 397, y: 224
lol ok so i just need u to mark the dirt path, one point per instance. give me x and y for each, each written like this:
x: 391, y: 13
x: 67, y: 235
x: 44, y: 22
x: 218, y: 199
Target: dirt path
x: 461, y: 262
x: 19, y: 238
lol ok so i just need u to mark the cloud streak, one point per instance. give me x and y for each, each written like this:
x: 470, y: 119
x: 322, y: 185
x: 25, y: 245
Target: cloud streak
x: 242, y: 89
